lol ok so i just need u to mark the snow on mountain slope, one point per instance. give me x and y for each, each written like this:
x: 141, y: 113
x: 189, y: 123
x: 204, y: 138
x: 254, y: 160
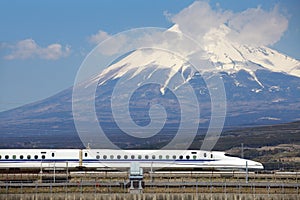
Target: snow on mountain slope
x: 141, y: 61
x: 232, y: 57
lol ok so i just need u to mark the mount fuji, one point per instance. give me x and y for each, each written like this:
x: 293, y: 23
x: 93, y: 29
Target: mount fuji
x: 262, y: 86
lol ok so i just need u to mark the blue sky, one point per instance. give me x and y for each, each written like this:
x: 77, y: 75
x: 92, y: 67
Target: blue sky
x: 44, y: 42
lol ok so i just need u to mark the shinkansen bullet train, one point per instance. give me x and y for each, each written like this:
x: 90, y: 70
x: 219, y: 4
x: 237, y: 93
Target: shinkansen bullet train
x: 120, y: 159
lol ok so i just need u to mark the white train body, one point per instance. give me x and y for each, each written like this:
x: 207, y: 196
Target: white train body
x: 118, y: 159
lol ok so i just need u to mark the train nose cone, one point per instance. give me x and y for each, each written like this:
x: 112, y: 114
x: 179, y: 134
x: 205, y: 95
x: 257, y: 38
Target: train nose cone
x: 258, y: 165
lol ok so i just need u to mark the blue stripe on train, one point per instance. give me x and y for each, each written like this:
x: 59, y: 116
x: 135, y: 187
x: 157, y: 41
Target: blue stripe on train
x: 102, y: 160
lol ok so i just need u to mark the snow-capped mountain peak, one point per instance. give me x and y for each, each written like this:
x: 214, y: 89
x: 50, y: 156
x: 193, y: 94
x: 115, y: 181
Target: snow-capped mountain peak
x: 228, y: 56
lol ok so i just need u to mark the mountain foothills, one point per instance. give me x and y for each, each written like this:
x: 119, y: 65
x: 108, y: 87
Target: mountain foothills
x: 262, y: 87
x: 276, y: 146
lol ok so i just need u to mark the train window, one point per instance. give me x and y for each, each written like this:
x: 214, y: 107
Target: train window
x: 43, y: 152
x: 167, y: 157
x: 160, y: 156
x: 132, y: 156
x: 43, y: 157
x: 111, y: 157
x: 118, y: 156
x: 21, y: 157
x: 53, y: 154
x: 97, y: 157
x: 14, y: 156
x: 194, y: 157
x: 139, y: 157
x: 188, y: 157
x: 146, y: 157
x: 0, y: 157
x: 125, y: 157
x: 204, y: 155
x: 181, y: 157
x: 105, y: 157
x: 85, y: 154
x: 211, y: 156
x: 6, y: 156
x: 36, y: 157
x: 153, y: 157
x: 174, y: 157
x: 194, y: 152
x: 28, y: 156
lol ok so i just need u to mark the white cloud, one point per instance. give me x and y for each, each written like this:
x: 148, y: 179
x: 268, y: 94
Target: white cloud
x: 257, y: 26
x: 253, y: 26
x: 28, y: 48
x: 199, y: 18
x: 98, y: 37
